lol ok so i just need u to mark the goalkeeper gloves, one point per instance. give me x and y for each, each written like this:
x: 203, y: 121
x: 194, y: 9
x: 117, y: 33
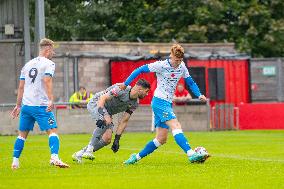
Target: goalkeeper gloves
x: 115, y: 145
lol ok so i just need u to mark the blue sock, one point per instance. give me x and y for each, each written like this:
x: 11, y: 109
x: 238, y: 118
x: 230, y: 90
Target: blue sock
x: 149, y: 148
x: 181, y: 140
x: 18, y: 147
x: 53, y: 143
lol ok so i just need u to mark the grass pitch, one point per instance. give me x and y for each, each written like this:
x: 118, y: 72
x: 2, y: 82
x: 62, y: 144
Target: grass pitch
x: 240, y: 159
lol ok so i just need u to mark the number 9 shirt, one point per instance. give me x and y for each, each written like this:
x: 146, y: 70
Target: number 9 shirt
x: 33, y: 73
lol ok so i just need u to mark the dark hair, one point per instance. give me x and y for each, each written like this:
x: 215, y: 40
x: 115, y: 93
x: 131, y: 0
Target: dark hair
x: 143, y: 83
x: 81, y: 87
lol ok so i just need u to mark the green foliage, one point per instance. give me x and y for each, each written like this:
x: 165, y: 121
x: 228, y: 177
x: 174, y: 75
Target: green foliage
x: 240, y: 159
x: 256, y: 26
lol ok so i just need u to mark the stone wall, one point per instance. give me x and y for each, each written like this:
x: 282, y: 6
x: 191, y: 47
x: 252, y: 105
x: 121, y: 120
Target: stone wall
x: 11, y: 62
x: 192, y: 118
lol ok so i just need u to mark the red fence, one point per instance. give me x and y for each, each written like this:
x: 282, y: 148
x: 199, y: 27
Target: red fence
x: 262, y: 116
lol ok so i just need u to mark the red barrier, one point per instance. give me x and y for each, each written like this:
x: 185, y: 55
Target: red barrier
x: 262, y: 116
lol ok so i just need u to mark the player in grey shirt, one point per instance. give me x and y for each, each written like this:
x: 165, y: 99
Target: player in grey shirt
x: 102, y: 106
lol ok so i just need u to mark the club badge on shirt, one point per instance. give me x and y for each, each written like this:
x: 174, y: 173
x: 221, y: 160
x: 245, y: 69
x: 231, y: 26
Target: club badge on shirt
x: 50, y: 121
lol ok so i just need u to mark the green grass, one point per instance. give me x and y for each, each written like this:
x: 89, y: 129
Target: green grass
x: 240, y: 159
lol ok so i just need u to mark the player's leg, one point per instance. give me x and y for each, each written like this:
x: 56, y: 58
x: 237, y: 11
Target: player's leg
x: 47, y: 122
x: 105, y: 139
x: 95, y: 142
x: 26, y: 124
x: 151, y: 146
x: 102, y: 126
x: 183, y: 142
x: 18, y: 148
x: 98, y: 132
x: 54, y: 144
x: 101, y: 137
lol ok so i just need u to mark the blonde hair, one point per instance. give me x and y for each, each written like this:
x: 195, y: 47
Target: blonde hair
x: 177, y: 50
x: 46, y: 42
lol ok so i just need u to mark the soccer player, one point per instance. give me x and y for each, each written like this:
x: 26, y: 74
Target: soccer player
x: 102, y: 106
x: 168, y: 74
x: 35, y: 102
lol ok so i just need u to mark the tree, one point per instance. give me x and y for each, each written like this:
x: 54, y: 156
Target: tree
x: 256, y: 26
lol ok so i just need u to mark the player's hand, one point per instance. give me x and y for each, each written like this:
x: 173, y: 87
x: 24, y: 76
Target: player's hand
x: 50, y: 106
x: 202, y: 98
x: 115, y: 145
x: 101, y: 113
x: 15, y: 112
x: 122, y: 86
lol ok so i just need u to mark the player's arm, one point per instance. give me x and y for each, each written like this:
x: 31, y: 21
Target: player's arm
x: 47, y: 80
x: 101, y: 103
x: 102, y: 100
x: 194, y: 88
x: 15, y: 112
x: 120, y: 129
x: 134, y: 74
x: 114, y: 92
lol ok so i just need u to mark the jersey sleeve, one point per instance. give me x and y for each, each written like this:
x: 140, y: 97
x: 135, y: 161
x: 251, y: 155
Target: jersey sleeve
x: 185, y: 71
x: 155, y: 67
x: 115, y: 91
x: 135, y: 73
x: 22, y: 76
x: 50, y: 68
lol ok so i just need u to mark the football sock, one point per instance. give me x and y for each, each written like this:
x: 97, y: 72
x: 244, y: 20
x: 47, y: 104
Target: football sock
x: 97, y: 135
x: 89, y: 148
x: 190, y: 152
x: 54, y: 143
x: 99, y: 144
x: 18, y: 146
x: 181, y: 140
x: 81, y: 152
x: 16, y: 162
x: 148, y: 149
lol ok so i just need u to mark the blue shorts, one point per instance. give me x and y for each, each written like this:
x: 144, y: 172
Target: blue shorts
x: 30, y: 114
x: 163, y: 111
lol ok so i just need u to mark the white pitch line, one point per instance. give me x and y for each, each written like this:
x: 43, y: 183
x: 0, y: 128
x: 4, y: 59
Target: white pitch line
x: 219, y: 155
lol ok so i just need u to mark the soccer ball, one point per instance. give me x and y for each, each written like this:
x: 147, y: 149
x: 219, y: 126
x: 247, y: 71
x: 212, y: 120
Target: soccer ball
x: 202, y: 151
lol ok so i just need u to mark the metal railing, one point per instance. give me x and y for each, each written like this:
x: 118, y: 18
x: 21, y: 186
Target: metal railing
x: 224, y: 117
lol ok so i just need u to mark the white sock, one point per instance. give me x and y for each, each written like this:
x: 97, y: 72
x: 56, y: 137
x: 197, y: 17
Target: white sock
x: 16, y: 161
x: 138, y: 157
x: 90, y: 148
x: 54, y: 156
x: 190, y: 152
